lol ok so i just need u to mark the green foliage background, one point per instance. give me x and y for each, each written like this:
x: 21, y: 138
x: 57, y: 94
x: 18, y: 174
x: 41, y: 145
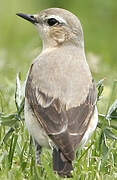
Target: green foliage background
x: 19, y: 45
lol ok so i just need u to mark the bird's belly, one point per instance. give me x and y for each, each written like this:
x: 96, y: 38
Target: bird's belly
x: 34, y: 128
x: 91, y: 127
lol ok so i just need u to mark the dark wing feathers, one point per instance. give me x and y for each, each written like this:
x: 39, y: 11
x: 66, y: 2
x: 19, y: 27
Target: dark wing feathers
x: 79, y: 117
x: 53, y: 119
x: 65, y: 127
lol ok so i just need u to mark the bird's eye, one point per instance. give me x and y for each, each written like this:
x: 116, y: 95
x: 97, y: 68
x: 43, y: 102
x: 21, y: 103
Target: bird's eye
x: 52, y: 21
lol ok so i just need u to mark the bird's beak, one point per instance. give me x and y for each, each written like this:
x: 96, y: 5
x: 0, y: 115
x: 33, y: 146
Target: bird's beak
x: 28, y: 17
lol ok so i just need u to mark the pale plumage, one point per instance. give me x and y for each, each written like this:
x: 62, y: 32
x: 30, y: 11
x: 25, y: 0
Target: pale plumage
x: 60, y: 103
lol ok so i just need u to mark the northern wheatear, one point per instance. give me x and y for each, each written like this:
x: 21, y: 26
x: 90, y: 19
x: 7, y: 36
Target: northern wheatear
x: 60, y: 94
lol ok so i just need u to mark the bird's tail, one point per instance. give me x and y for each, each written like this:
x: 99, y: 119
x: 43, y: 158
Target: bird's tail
x: 61, y: 165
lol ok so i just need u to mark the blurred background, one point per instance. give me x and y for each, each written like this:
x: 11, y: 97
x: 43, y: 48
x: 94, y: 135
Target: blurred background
x: 20, y: 42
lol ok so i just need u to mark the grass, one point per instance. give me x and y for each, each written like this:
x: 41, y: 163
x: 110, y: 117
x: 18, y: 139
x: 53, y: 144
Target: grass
x: 97, y: 161
x: 19, y: 45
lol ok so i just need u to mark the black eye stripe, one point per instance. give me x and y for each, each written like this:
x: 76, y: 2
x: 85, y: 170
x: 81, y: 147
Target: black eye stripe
x: 52, y: 21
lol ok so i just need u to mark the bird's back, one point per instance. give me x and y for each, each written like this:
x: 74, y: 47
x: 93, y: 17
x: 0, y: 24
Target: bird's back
x: 63, y: 73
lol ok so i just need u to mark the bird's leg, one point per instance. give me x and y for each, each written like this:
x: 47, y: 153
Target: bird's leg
x: 38, y: 150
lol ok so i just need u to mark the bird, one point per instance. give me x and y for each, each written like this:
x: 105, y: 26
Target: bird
x: 60, y: 93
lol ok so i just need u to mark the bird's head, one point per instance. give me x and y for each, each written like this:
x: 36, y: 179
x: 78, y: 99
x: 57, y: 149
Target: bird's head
x: 57, y: 27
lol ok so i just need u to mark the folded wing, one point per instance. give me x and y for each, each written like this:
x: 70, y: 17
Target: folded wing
x: 65, y: 127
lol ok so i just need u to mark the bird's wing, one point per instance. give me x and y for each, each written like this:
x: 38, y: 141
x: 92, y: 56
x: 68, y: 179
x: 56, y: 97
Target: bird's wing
x: 65, y: 127
x: 79, y: 117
